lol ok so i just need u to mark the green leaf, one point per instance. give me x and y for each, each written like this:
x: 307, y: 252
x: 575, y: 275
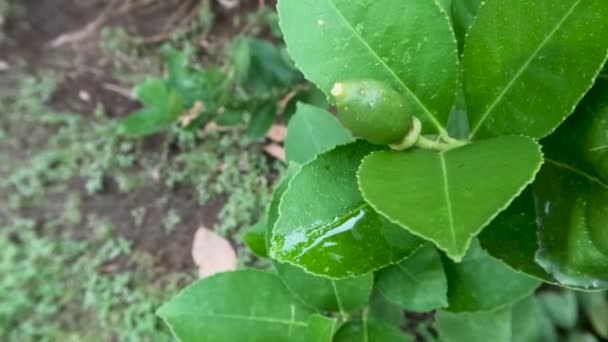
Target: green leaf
x: 481, y: 283
x: 571, y: 196
x: 341, y: 40
x: 449, y: 197
x: 272, y: 212
x: 270, y: 66
x: 561, y: 307
x: 312, y: 131
x: 193, y: 84
x: 312, y: 96
x: 463, y: 15
x: 262, y: 119
x: 256, y: 302
x: 240, y: 56
x: 595, y: 306
x: 554, y: 51
x: 325, y: 294
x: 162, y: 106
x: 370, y: 331
x: 570, y: 203
x: 324, y: 225
x: 492, y: 326
x: 321, y: 328
x: 380, y: 309
x: 517, y: 323
x: 512, y: 237
x: 418, y: 283
x: 255, y: 239
x: 577, y: 336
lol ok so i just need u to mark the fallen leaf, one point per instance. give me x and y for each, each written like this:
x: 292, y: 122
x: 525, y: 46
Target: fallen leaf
x: 212, y: 253
x: 191, y: 114
x: 276, y: 151
x: 276, y: 133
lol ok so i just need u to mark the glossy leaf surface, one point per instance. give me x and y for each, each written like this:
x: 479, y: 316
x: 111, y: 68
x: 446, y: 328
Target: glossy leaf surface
x: 324, y: 225
x: 571, y: 197
x: 341, y: 40
x: 257, y: 302
x: 326, y: 294
x: 512, y: 237
x: 311, y: 131
x: 481, y: 283
x: 569, y: 204
x: 554, y: 51
x: 463, y: 15
x: 418, y: 283
x: 451, y: 196
x: 272, y: 212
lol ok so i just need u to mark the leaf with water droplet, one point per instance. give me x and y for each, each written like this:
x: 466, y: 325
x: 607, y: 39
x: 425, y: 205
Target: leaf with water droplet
x: 326, y: 227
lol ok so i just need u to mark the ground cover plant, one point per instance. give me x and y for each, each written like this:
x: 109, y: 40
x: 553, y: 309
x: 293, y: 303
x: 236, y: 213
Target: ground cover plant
x: 467, y: 168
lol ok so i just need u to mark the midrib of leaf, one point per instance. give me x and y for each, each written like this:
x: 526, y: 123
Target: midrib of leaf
x: 312, y: 134
x: 408, y: 273
x: 575, y: 170
x: 427, y: 112
x: 338, y: 299
x: 522, y: 69
x: 448, y: 200
x: 255, y: 319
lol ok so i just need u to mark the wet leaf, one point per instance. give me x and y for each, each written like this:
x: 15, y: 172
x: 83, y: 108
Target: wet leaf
x: 324, y: 225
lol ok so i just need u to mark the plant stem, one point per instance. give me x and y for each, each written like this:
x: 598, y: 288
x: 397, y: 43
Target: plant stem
x: 438, y: 145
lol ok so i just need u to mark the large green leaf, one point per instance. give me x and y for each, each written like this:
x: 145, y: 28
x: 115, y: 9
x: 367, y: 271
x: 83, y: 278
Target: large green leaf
x: 326, y: 294
x: 311, y: 131
x: 571, y: 196
x: 324, y: 225
x: 321, y: 328
x: 481, y: 283
x: 551, y: 49
x: 370, y: 331
x: 339, y: 40
x: 418, y: 283
x: 449, y: 197
x: 256, y: 303
x: 512, y: 237
x: 517, y: 323
x: 570, y: 204
x: 162, y: 107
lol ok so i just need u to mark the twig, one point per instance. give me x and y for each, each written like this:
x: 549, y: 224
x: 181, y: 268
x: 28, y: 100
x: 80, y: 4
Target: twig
x: 118, y: 90
x: 87, y: 31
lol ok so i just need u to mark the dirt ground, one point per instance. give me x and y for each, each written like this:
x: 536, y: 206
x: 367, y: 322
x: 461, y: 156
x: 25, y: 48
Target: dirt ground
x: 88, y: 71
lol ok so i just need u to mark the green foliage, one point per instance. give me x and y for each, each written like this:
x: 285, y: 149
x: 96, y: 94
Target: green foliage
x: 468, y: 220
x: 256, y: 76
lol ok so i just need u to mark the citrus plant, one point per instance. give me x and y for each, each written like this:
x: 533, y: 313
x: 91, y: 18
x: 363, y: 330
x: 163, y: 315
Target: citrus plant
x: 461, y: 173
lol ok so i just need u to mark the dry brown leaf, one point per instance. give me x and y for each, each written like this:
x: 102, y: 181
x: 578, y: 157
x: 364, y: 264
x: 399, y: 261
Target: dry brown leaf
x: 277, y: 133
x: 191, y: 114
x: 276, y: 151
x: 212, y: 253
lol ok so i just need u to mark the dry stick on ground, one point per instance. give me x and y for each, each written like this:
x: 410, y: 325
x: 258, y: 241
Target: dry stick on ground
x: 84, y: 33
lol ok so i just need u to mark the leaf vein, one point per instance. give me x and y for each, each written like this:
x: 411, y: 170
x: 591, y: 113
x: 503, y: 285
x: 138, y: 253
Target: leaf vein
x: 523, y: 69
x: 448, y: 200
x: 426, y: 110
